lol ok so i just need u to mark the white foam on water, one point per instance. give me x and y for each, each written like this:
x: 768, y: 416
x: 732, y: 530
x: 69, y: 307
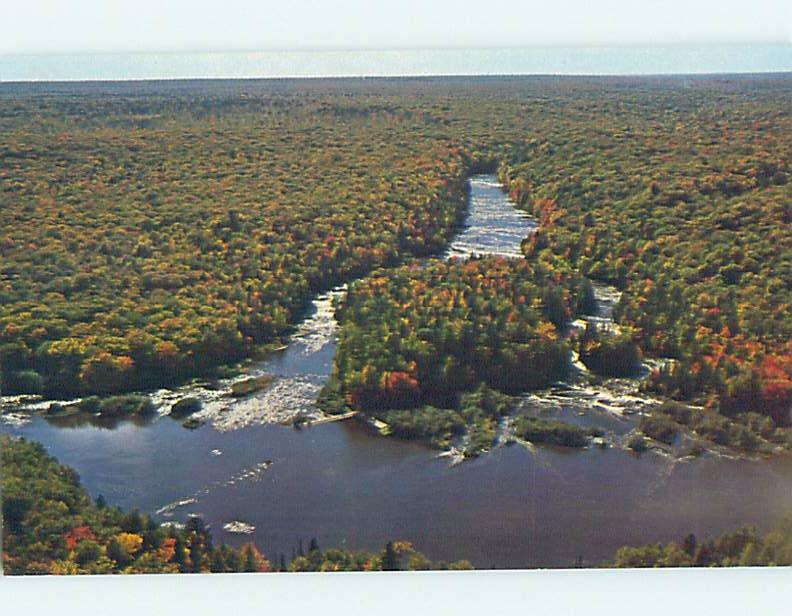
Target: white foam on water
x: 171, y: 507
x: 315, y: 332
x: 616, y: 403
x: 238, y: 527
x: 285, y: 400
x: 31, y: 403
x: 493, y: 225
x: 251, y: 473
x: 18, y: 400
x: 607, y: 297
x: 16, y: 420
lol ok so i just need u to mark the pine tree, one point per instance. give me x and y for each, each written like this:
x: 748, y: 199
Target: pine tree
x: 197, y: 554
x: 390, y: 560
x: 132, y: 522
x: 233, y: 559
x: 218, y: 564
x: 180, y: 554
x: 689, y: 544
x: 252, y: 558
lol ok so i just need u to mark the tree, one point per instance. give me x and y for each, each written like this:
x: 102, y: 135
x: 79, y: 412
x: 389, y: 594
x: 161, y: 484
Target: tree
x: 689, y: 544
x: 117, y: 553
x: 197, y: 554
x: 88, y: 552
x: 218, y: 564
x: 180, y: 553
x: 15, y: 508
x: 252, y: 559
x: 132, y: 522
x: 390, y: 560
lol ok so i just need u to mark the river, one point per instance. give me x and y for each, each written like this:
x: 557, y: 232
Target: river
x: 338, y: 482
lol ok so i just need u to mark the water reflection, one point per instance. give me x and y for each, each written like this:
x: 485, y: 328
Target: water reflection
x: 81, y: 420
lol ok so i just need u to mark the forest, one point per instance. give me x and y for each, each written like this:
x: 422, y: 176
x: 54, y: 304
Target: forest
x: 128, y: 262
x: 417, y: 337
x: 744, y: 547
x: 51, y: 526
x: 423, y: 334
x: 688, y: 212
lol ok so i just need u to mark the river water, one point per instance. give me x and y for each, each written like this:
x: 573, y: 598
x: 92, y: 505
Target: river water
x: 514, y: 507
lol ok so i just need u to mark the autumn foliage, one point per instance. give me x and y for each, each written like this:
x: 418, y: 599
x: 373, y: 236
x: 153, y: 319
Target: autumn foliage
x: 422, y: 335
x: 150, y: 236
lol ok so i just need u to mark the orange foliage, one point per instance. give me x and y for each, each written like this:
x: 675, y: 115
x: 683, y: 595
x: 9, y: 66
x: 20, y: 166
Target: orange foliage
x: 397, y: 381
x: 80, y: 533
x: 167, y: 549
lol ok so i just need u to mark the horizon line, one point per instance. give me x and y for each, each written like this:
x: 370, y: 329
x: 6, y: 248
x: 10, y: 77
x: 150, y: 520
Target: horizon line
x: 681, y: 75
x: 397, y: 49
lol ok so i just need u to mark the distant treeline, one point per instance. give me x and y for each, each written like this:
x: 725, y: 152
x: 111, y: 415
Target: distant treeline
x: 744, y: 547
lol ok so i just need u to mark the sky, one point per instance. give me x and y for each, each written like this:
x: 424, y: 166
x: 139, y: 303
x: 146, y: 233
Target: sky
x: 90, y: 26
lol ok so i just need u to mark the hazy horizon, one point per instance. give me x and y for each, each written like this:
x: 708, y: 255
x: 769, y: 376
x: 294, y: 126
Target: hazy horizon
x: 525, y: 61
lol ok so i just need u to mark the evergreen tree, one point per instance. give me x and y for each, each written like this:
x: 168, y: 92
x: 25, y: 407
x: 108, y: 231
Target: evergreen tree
x: 689, y: 544
x: 195, y: 524
x: 703, y: 557
x: 132, y: 522
x: 390, y: 560
x: 197, y: 554
x: 217, y: 564
x: 180, y: 554
x: 232, y: 558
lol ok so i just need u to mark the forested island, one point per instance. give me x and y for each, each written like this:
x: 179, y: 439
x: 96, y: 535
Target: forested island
x: 414, y: 338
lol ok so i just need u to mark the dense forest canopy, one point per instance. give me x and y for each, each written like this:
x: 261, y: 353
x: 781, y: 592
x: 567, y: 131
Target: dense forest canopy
x: 689, y: 213
x: 135, y: 252
x: 422, y: 334
x: 151, y: 232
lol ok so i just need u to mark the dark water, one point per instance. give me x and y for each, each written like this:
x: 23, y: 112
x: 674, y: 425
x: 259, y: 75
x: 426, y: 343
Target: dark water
x: 512, y: 508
